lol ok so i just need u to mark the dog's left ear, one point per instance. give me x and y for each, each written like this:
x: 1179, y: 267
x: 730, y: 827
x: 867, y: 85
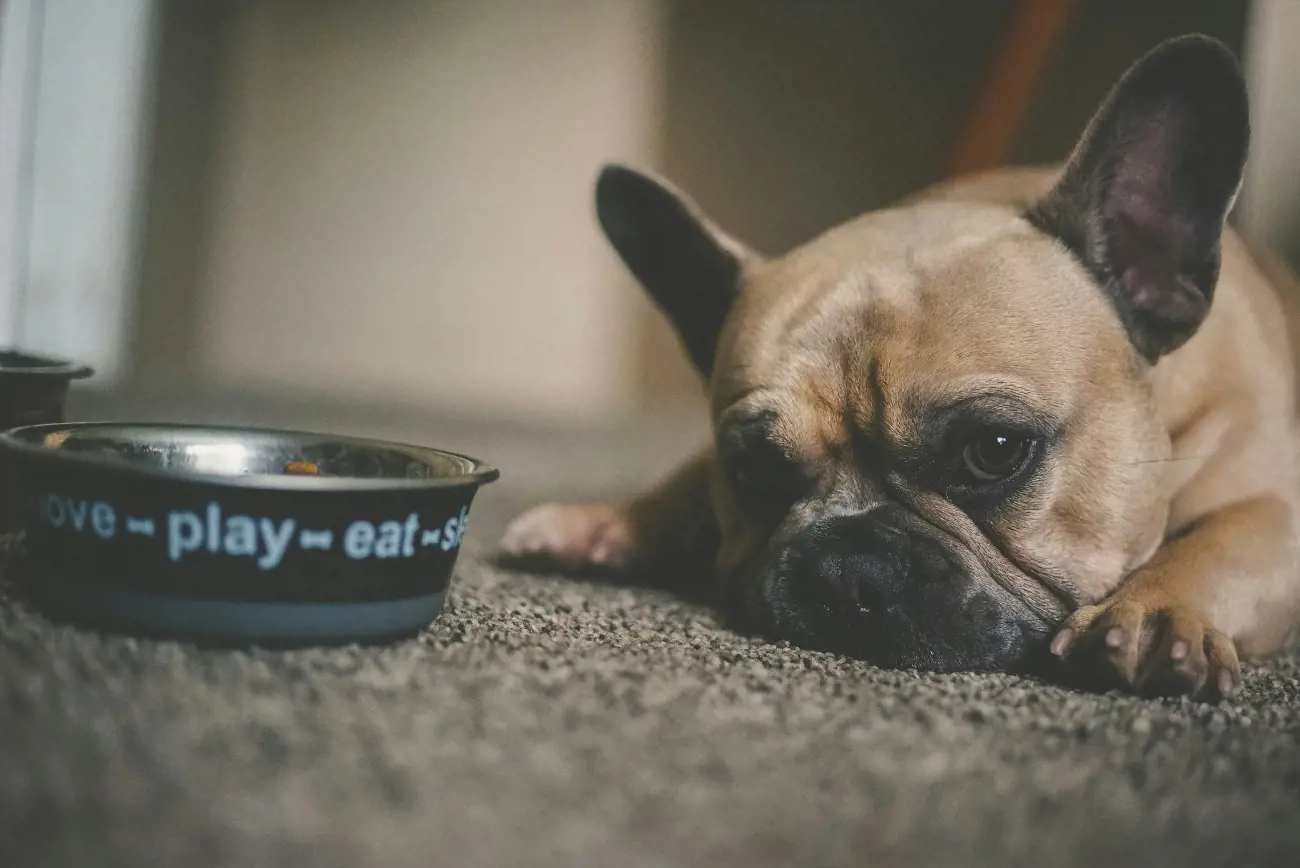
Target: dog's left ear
x: 1144, y: 198
x: 690, y: 268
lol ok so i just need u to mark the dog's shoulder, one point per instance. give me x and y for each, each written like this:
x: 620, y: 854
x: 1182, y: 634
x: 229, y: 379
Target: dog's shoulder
x: 1269, y: 284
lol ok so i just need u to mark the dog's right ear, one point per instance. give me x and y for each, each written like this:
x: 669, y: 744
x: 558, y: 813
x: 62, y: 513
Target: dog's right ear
x: 1143, y: 201
x: 690, y: 268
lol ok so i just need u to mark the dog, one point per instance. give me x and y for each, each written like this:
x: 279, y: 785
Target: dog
x: 1032, y: 414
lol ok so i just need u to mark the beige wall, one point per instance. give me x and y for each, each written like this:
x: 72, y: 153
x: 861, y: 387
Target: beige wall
x: 400, y: 206
x: 390, y: 202
x: 1270, y: 201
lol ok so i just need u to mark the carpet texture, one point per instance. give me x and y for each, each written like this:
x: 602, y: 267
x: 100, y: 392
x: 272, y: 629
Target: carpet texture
x: 543, y: 722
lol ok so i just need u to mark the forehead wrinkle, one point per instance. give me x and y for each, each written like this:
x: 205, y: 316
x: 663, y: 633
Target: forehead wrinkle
x: 804, y: 425
x: 871, y: 409
x: 896, y: 423
x: 976, y: 386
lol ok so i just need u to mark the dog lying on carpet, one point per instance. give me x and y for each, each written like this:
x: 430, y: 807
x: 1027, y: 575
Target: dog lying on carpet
x: 1032, y: 411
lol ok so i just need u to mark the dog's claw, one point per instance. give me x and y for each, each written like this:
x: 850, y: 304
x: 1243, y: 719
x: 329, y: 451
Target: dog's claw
x: 1149, y: 649
x: 1062, y: 642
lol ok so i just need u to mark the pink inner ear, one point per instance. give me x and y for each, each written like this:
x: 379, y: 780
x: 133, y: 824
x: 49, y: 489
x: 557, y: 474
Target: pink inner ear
x: 1164, y: 294
x: 1144, y: 256
x: 1148, y: 226
x: 1146, y: 235
x: 1143, y: 195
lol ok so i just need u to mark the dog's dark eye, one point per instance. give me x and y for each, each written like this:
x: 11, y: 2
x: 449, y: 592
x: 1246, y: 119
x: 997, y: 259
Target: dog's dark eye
x: 764, y: 477
x: 766, y: 487
x: 995, y: 454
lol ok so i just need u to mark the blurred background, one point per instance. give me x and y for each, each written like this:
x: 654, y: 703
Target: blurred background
x: 377, y: 215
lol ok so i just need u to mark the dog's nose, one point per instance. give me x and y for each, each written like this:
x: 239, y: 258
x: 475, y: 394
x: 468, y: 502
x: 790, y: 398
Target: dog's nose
x: 857, y: 580
x: 859, y: 563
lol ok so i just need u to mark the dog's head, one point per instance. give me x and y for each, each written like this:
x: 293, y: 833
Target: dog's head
x: 935, y: 426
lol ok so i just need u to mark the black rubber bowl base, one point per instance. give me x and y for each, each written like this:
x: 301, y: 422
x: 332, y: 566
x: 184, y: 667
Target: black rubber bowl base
x: 232, y: 625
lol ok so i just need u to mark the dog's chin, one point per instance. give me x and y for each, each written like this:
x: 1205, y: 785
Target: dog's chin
x: 971, y: 632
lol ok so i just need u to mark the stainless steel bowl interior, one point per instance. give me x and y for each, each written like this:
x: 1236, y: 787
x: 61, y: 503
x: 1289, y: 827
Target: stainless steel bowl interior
x: 234, y: 453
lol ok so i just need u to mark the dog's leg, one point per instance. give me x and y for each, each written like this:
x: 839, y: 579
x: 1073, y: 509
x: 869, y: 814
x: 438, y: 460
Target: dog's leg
x: 671, y: 526
x: 1175, y: 625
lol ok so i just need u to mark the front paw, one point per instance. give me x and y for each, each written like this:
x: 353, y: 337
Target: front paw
x: 1149, y: 647
x: 570, y: 539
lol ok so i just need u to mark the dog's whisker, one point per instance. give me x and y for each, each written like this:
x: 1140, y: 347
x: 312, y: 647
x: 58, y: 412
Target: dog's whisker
x: 1168, y: 460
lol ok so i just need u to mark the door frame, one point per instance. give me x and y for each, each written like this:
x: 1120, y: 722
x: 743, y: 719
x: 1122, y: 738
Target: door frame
x: 76, y: 99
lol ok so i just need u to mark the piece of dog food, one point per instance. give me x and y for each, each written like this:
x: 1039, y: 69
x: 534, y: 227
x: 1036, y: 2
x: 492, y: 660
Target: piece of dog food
x: 302, y: 468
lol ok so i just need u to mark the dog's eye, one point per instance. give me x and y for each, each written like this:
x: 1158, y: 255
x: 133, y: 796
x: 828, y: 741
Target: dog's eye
x: 765, y: 483
x: 771, y: 487
x: 995, y: 454
x: 761, y: 470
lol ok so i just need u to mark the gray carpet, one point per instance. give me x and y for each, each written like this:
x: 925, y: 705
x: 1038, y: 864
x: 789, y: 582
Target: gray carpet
x: 545, y: 722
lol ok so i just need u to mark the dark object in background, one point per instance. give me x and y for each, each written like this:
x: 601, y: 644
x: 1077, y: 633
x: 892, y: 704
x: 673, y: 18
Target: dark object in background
x: 215, y: 535
x: 33, y: 391
x: 33, y: 388
x: 994, y: 121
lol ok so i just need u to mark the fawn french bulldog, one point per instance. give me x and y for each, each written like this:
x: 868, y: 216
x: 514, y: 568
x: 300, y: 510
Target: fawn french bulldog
x: 1033, y: 410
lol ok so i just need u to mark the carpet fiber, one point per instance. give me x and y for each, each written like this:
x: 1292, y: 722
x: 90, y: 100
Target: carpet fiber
x: 544, y: 722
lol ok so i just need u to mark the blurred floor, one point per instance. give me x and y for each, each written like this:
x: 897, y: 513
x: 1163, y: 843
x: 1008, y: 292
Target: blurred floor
x: 545, y: 722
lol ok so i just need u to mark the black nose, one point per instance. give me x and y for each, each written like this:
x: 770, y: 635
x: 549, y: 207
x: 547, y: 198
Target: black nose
x: 859, y: 580
x: 863, y: 563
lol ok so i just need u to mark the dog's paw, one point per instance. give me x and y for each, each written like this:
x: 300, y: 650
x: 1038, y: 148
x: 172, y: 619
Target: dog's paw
x: 1148, y: 648
x: 570, y: 538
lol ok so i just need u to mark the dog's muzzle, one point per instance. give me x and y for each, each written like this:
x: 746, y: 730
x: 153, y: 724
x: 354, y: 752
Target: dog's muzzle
x: 875, y: 585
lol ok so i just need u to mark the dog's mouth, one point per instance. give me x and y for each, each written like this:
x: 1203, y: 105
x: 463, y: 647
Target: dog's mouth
x: 984, y: 635
x: 884, y: 592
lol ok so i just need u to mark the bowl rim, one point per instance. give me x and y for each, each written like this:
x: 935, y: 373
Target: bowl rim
x: 478, y: 473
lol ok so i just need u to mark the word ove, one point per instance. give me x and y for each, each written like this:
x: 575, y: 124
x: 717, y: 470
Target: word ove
x: 63, y: 511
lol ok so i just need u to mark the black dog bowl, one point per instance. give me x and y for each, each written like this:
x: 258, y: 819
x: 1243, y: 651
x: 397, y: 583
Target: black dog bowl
x: 239, y: 536
x: 33, y: 391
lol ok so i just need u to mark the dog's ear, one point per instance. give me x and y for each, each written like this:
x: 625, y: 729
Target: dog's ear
x: 690, y: 268
x: 1144, y: 198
